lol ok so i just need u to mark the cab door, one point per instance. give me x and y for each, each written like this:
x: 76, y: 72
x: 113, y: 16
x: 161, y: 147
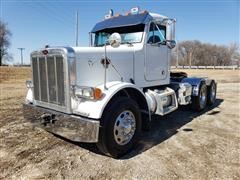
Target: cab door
x: 156, y: 60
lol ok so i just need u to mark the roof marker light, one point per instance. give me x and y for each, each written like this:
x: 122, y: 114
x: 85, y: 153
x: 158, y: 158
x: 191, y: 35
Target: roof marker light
x: 135, y: 10
x: 111, y: 12
x: 117, y: 15
x: 143, y: 12
x: 127, y: 13
x: 109, y: 15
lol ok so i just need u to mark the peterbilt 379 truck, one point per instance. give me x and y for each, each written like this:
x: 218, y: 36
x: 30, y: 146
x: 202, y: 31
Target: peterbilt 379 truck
x: 107, y: 93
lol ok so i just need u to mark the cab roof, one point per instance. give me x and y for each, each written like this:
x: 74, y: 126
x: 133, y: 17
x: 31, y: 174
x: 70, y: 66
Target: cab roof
x: 128, y: 20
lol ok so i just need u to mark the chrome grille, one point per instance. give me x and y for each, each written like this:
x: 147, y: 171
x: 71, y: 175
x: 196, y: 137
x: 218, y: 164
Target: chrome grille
x: 48, y: 79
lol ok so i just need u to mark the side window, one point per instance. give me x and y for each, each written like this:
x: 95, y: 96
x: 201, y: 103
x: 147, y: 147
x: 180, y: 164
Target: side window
x: 154, y: 36
x: 101, y: 38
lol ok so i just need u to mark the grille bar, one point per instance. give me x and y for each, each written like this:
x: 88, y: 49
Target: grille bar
x: 60, y: 80
x: 39, y: 83
x: 35, y: 78
x: 46, y: 66
x: 51, y: 80
x: 48, y: 79
x: 56, y: 84
x: 43, y: 79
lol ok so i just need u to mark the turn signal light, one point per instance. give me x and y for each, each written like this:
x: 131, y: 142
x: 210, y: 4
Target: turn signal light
x: 97, y: 93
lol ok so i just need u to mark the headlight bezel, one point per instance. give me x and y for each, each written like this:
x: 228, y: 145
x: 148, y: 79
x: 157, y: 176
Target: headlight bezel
x: 86, y: 92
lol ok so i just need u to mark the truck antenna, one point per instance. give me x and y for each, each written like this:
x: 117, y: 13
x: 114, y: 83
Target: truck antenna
x: 105, y: 66
x: 76, y: 28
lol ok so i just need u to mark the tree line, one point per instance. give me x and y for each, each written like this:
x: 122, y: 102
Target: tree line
x: 196, y: 53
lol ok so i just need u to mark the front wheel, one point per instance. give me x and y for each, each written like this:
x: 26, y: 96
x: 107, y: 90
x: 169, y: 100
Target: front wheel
x: 121, y: 125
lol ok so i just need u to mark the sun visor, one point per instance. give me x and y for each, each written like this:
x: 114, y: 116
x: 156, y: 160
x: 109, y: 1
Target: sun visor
x: 121, y: 21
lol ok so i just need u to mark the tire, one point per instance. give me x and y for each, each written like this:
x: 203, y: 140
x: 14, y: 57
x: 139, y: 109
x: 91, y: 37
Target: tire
x: 146, y: 124
x: 211, y: 93
x: 112, y: 140
x: 199, y: 102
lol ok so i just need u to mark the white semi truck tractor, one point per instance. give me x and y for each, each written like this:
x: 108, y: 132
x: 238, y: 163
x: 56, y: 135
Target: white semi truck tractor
x: 107, y: 93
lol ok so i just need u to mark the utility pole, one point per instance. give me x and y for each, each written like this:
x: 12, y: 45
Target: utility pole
x: 21, y: 49
x: 190, y: 59
x: 76, y: 28
x: 177, y: 62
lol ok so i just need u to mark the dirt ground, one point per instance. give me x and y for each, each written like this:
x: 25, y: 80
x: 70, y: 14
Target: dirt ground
x: 182, y: 145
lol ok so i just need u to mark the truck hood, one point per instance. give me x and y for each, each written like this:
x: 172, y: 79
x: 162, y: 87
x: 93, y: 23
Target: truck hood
x: 90, y: 70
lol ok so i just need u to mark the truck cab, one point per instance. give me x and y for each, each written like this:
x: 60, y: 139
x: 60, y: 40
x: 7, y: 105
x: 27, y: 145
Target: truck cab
x: 144, y: 36
x: 106, y: 93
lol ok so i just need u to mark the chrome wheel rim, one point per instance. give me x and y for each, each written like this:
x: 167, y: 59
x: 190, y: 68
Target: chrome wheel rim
x: 124, y: 127
x: 203, y: 96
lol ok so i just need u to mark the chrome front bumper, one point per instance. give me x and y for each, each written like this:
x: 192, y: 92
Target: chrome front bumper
x: 72, y: 127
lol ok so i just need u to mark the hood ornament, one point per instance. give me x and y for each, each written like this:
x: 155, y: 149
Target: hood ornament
x: 105, y: 62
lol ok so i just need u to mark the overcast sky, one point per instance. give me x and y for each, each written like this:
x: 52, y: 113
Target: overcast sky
x: 35, y: 24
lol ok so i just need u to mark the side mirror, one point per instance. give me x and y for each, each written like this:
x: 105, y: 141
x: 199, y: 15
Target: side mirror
x: 171, y: 44
x: 170, y: 23
x: 115, y: 40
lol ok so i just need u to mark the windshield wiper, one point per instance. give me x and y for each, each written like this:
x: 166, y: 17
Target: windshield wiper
x: 128, y: 43
x: 101, y: 45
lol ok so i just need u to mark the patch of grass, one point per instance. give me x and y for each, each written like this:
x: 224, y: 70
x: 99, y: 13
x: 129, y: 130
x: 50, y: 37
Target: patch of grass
x: 14, y: 73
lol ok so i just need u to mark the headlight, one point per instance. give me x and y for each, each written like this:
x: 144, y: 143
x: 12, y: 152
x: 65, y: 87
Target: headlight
x: 29, y: 84
x: 87, y: 92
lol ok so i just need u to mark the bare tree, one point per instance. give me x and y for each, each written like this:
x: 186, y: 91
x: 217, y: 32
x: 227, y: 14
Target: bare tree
x: 5, y: 35
x: 204, y: 54
x: 188, y: 49
x: 234, y: 50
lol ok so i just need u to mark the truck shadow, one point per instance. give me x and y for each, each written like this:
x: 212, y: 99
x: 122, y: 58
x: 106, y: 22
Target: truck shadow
x: 162, y: 128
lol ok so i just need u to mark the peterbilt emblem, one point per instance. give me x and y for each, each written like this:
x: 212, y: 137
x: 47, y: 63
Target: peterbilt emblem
x: 91, y: 62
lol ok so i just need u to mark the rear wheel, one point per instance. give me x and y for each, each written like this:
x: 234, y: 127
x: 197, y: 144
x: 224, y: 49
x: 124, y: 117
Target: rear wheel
x: 121, y: 125
x: 211, y: 93
x: 199, y: 102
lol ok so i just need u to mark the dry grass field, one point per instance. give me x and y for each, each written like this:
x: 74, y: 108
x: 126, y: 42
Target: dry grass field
x: 182, y: 145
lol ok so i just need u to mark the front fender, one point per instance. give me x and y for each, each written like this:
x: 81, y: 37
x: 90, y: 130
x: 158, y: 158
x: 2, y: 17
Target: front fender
x: 94, y: 108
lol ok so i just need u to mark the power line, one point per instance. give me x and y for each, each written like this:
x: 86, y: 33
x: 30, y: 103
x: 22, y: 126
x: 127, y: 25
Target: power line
x: 48, y: 14
x: 65, y: 11
x: 57, y: 12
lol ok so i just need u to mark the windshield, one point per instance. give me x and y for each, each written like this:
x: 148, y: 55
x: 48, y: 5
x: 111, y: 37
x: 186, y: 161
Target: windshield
x: 129, y: 35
